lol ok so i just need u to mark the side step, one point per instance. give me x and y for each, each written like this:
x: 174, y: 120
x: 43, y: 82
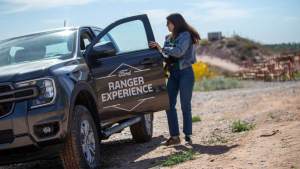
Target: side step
x: 118, y: 128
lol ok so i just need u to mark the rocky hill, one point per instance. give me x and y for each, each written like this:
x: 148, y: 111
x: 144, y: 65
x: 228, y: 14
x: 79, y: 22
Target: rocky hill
x: 235, y: 49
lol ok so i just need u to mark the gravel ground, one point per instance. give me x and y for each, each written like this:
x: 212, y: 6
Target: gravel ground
x: 274, y: 143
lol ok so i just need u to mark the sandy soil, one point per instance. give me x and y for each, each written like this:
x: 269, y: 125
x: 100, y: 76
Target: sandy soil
x: 274, y: 143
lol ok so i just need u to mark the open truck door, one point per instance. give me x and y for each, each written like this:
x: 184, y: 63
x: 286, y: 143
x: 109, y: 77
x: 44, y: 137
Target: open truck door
x: 129, y: 75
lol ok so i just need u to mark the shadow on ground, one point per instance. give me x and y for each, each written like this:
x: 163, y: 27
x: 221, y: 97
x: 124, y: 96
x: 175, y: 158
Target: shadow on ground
x: 125, y: 154
x: 208, y: 149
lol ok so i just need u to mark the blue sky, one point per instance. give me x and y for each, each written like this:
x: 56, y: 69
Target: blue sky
x: 266, y: 21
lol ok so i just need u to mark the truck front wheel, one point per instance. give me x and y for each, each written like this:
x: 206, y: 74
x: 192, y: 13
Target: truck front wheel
x: 81, y: 150
x: 143, y: 130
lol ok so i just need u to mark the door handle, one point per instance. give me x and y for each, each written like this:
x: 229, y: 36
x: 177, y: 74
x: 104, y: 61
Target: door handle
x: 148, y: 61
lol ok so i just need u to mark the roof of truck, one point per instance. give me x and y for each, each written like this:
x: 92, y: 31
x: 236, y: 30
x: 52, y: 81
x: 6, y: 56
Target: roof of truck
x: 50, y: 30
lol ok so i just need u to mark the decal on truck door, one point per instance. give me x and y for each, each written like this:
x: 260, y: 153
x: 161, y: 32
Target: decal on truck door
x: 125, y: 83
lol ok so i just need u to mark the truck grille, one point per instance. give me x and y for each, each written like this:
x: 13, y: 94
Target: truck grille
x: 6, y: 136
x: 5, y: 108
x: 9, y: 95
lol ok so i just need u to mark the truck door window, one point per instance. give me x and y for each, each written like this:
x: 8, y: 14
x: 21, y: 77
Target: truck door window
x: 130, y: 36
x: 105, y: 39
x: 85, y: 40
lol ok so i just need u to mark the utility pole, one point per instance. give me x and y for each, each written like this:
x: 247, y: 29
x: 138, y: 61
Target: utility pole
x: 65, y: 23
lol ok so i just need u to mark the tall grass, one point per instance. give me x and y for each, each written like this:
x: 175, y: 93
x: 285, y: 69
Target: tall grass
x: 217, y: 83
x: 297, y: 75
x: 208, y: 79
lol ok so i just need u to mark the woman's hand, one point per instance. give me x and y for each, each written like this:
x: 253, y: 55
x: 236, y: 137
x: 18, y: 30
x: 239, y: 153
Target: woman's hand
x: 155, y: 45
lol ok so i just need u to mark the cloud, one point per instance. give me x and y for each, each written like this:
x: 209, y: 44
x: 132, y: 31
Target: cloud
x: 14, y: 6
x: 129, y: 1
x: 291, y: 19
x: 215, y: 10
x: 203, y: 10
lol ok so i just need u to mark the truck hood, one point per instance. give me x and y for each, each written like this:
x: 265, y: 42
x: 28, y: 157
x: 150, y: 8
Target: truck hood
x: 26, y: 70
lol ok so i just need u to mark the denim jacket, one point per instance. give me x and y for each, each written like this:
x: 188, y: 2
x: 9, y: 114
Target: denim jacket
x: 182, y: 48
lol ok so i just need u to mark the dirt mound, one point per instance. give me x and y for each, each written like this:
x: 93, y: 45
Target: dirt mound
x: 235, y: 49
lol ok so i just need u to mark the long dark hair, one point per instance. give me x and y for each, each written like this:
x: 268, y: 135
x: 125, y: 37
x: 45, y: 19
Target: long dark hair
x: 181, y: 26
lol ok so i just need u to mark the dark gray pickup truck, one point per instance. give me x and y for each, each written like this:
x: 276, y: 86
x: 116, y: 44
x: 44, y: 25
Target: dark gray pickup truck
x: 63, y: 91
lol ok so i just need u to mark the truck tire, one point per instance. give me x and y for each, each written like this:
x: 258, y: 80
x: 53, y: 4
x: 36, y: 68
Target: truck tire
x: 143, y: 130
x: 81, y: 149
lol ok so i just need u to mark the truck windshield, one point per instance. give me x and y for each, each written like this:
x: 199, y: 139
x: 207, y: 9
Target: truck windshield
x: 55, y: 44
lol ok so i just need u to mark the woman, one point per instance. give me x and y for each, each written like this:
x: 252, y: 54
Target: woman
x: 179, y: 51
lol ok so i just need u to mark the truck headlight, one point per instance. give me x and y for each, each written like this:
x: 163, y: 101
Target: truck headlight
x: 47, y: 91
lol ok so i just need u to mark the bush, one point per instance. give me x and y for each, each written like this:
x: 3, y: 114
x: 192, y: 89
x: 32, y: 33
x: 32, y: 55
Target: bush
x: 217, y: 83
x: 204, y: 42
x: 178, y: 158
x: 297, y: 75
x: 250, y: 46
x: 196, y: 119
x: 201, y: 70
x: 240, y: 126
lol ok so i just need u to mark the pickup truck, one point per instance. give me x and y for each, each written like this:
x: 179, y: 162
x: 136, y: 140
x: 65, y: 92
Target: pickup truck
x: 62, y: 91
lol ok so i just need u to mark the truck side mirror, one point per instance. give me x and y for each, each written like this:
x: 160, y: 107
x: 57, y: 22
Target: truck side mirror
x: 101, y: 50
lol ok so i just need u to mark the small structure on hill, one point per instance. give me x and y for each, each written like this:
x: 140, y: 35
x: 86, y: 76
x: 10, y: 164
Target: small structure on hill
x: 213, y: 36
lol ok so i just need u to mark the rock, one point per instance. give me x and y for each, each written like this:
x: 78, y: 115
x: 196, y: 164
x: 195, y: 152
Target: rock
x: 270, y: 134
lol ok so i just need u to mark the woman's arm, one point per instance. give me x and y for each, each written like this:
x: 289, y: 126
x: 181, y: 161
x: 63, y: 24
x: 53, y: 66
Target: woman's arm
x: 182, y: 45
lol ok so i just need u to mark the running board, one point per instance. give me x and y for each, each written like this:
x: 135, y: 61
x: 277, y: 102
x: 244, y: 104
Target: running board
x: 105, y: 134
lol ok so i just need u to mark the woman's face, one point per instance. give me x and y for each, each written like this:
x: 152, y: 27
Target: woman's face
x: 170, y: 26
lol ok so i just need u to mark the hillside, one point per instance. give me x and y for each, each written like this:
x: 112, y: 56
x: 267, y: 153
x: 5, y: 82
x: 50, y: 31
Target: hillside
x: 284, y: 47
x: 235, y: 49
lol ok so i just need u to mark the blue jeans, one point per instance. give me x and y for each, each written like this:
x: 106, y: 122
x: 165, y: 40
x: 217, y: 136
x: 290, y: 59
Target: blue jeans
x: 180, y: 81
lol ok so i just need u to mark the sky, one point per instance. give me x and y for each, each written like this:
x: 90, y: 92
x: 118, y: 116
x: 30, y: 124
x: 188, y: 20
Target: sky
x: 265, y: 21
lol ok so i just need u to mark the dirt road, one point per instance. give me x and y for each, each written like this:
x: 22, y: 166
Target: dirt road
x: 274, y: 143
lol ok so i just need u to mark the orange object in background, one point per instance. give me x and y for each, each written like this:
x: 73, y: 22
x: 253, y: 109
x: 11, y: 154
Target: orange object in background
x: 201, y: 70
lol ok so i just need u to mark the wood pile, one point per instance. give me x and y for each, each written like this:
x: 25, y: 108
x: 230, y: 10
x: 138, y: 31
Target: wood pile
x: 276, y: 68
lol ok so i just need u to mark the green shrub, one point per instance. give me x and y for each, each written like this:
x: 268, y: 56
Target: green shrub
x: 240, y: 126
x: 250, y: 46
x: 217, y: 83
x: 204, y: 42
x: 196, y: 119
x: 179, y: 157
x: 297, y: 75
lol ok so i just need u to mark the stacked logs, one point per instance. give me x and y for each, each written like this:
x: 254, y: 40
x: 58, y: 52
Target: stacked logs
x: 276, y: 68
